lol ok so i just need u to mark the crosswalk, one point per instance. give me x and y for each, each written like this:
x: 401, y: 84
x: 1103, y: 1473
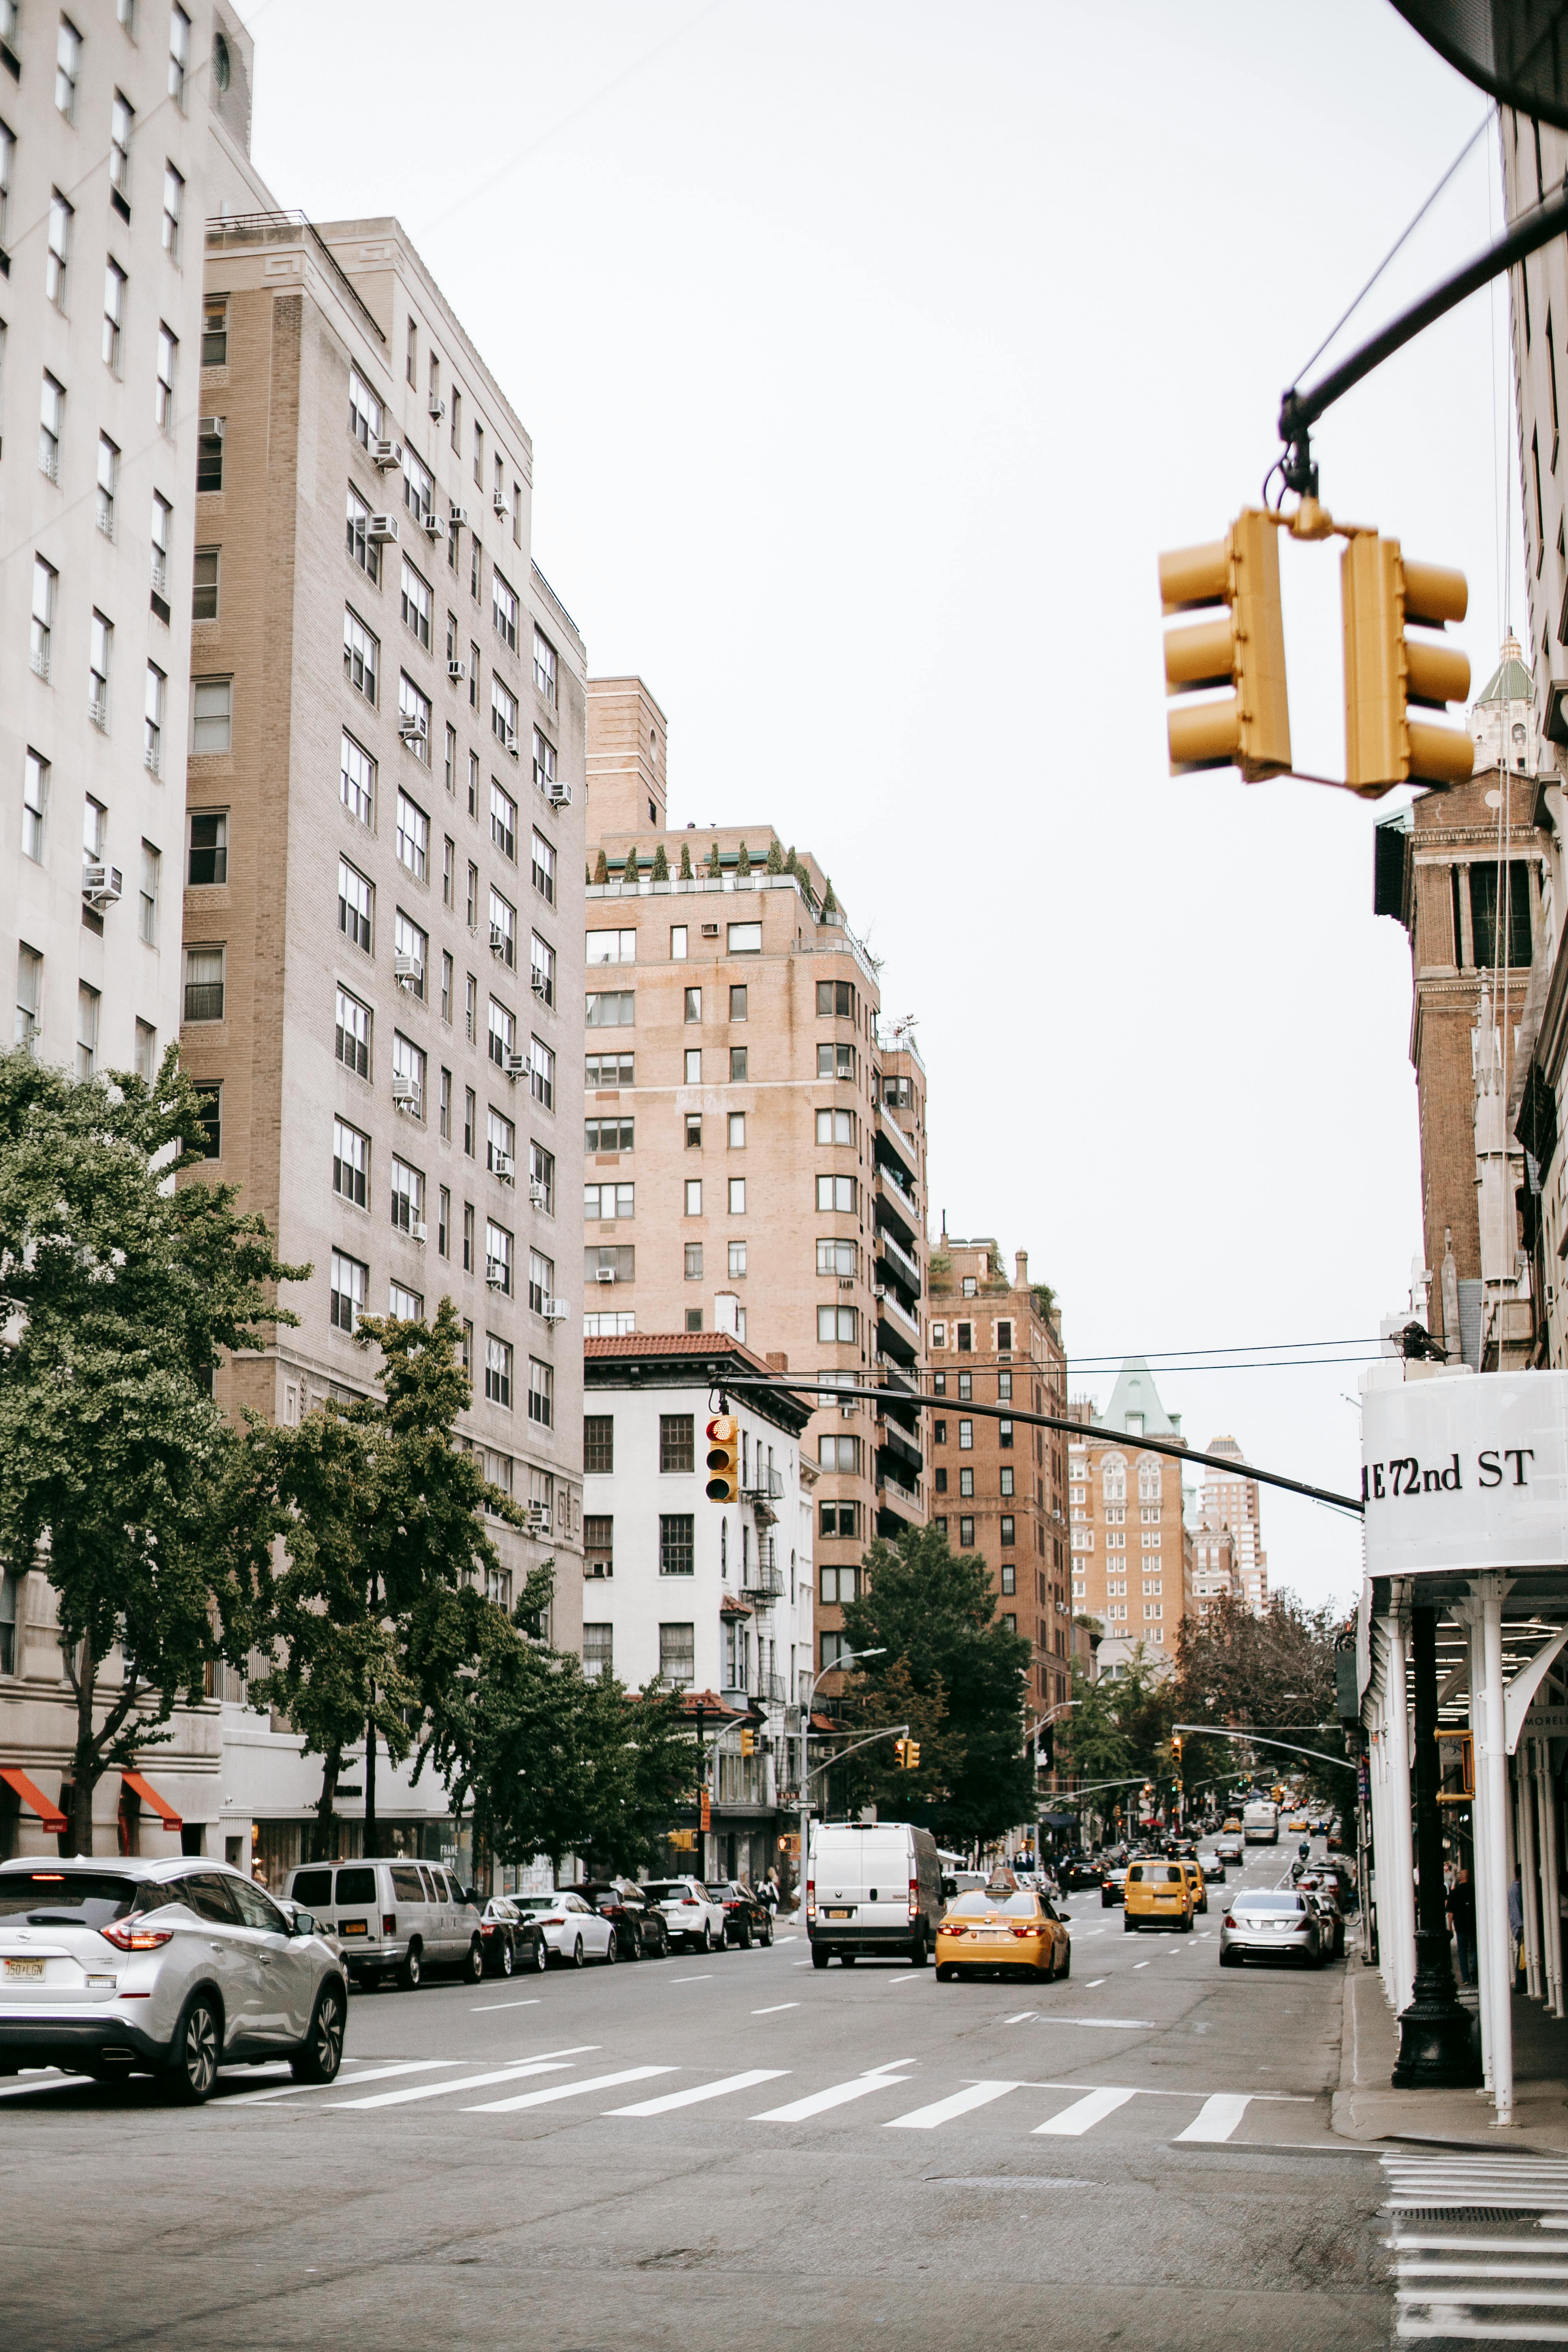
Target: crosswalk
x: 1479, y: 2246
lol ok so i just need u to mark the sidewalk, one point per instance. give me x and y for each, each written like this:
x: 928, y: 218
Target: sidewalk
x: 1367, y: 2107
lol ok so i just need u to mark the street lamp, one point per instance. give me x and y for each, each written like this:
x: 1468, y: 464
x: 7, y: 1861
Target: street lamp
x: 1032, y: 1738
x: 846, y: 1658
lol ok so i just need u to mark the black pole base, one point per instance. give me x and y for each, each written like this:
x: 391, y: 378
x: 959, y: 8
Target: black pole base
x: 1439, y: 2047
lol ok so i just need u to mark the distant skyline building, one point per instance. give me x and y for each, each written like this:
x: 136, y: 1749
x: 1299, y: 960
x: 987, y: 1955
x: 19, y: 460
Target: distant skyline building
x: 1131, y: 1546
x: 1230, y: 1505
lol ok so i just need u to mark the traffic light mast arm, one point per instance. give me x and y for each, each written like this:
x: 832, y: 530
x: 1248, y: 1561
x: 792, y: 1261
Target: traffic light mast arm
x: 1300, y: 411
x: 888, y: 1731
x: 1046, y: 1421
x: 1255, y: 1740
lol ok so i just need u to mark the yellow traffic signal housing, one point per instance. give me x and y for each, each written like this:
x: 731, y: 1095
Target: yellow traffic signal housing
x: 723, y: 1459
x: 898, y: 1748
x: 912, y: 1754
x: 1382, y: 595
x: 748, y: 1743
x: 1249, y: 728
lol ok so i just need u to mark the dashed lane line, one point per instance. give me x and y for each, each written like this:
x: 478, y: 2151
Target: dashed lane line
x: 707, y: 1979
x: 484, y: 2007
x: 773, y: 2008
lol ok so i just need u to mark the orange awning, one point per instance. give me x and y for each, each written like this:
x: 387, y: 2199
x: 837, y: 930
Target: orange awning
x: 148, y: 1796
x: 53, y: 1820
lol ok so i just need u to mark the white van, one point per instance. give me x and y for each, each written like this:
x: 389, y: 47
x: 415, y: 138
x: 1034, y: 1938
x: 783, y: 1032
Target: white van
x: 392, y: 1918
x: 872, y: 1887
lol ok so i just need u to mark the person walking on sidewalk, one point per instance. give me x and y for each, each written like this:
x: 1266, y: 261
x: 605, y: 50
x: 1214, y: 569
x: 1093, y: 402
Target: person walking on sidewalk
x: 1516, y: 1931
x: 1462, y: 1919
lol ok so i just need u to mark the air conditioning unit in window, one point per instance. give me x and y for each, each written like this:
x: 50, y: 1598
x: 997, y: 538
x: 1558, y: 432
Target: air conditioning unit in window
x: 536, y: 1193
x: 387, y: 455
x: 516, y: 1066
x: 408, y: 971
x: 412, y: 727
x: 495, y: 1274
x: 539, y: 1519
x: 503, y: 1166
x: 558, y: 792
x: 846, y: 1282
x: 382, y: 530
x: 406, y: 1092
x: 101, y: 885
x: 604, y: 1274
x: 437, y: 406
x: 499, y: 502
x: 540, y: 985
x: 498, y: 939
x: 709, y: 930
x: 432, y: 526
x: 460, y: 516
x: 210, y: 428
x: 556, y: 1310
x: 879, y: 1290
x: 420, y: 1229
x: 457, y: 670
x: 511, y: 744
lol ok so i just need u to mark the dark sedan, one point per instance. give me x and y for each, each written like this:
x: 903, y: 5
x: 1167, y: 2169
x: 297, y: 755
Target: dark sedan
x: 1213, y: 1869
x: 1113, y: 1887
x: 747, y: 1918
x: 640, y: 1929
x: 1077, y: 1871
x: 511, y: 1939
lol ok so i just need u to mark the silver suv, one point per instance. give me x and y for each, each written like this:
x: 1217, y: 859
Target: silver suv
x: 170, y: 1967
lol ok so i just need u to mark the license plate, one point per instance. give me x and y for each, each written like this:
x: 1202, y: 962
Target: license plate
x: 839, y: 1914
x: 352, y: 1928
x: 25, y: 1971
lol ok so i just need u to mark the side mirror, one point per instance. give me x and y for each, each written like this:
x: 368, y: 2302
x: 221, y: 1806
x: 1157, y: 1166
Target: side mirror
x: 301, y: 1923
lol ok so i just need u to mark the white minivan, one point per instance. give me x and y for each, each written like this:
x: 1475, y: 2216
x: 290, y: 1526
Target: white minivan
x: 393, y: 1917
x: 873, y: 1888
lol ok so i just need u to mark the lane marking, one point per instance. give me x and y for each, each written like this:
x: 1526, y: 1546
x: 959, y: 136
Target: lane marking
x: 774, y: 2010
x: 485, y: 2007
x: 707, y: 1979
x: 1110, y: 2025
x: 1022, y: 2018
x: 1218, y: 2116
x: 545, y: 2063
x: 1084, y: 2114
x: 915, y: 1977
x: 567, y: 2091
x: 346, y: 2082
x: 941, y: 2111
x: 671, y: 2099
x: 883, y: 2079
x: 1140, y: 1964
x: 1095, y: 1981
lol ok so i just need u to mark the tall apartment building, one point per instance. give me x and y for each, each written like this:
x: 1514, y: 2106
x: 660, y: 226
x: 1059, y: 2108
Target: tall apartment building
x: 1231, y: 1506
x: 383, y: 958
x: 1214, y: 1566
x: 1133, y: 1573
x: 755, y: 1151
x: 1000, y: 1488
x: 122, y: 127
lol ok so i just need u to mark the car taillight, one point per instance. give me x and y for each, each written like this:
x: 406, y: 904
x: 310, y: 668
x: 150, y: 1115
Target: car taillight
x: 126, y: 1936
x: 487, y: 1927
x: 1023, y: 1931
x: 389, y: 1923
x: 553, y: 1923
x: 1228, y: 1921
x: 690, y: 1902
x: 914, y: 1898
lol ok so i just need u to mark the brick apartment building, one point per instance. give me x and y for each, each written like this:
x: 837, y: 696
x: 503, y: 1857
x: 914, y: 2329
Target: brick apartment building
x: 1231, y: 1506
x: 755, y: 1150
x: 998, y: 1488
x: 1214, y: 1566
x: 1131, y: 1546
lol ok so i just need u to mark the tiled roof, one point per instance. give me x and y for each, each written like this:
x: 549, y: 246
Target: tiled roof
x: 677, y: 1343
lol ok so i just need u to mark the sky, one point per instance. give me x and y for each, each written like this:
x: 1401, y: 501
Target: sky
x: 872, y: 351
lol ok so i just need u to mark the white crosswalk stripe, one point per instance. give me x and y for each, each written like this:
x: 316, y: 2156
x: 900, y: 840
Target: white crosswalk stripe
x: 1218, y: 2116
x: 1084, y: 2114
x: 1458, y: 2285
x: 567, y: 2091
x: 545, y: 2065
x: 364, y: 2075
x: 839, y: 2095
x: 941, y: 2111
x: 670, y: 2100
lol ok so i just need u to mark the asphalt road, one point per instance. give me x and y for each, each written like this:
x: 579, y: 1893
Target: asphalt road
x: 732, y: 2150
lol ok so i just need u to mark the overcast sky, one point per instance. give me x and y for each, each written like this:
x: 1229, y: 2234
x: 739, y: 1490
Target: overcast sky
x: 872, y: 351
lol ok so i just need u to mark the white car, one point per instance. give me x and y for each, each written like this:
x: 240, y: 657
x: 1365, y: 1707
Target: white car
x: 574, y: 1931
x: 693, y: 1917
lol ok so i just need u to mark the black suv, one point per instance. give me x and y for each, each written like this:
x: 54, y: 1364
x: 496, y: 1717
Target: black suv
x: 640, y: 1929
x: 747, y: 1918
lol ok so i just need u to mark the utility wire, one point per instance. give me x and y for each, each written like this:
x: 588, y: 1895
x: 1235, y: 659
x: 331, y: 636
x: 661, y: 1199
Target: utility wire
x: 1403, y: 238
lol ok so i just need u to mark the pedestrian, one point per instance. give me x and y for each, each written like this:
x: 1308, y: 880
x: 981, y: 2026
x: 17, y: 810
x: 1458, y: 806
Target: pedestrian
x: 771, y: 1889
x: 1516, y: 1931
x: 1462, y: 1919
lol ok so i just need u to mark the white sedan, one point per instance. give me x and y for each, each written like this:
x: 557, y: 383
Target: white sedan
x: 574, y: 1931
x: 693, y: 1917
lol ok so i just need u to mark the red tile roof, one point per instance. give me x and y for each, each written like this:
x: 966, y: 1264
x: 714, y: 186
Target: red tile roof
x: 677, y: 1343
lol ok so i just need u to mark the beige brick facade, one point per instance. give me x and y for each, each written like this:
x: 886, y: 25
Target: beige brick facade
x: 1131, y: 1549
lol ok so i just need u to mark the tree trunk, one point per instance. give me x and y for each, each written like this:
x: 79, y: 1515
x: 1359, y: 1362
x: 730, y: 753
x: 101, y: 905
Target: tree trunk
x: 323, y: 1840
x: 85, y: 1768
x: 370, y: 1845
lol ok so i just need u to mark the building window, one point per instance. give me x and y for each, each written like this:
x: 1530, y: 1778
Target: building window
x: 86, y: 1007
x: 544, y: 665
x: 737, y: 1190
x: 676, y: 1441
x: 544, y: 867
x: 676, y: 1654
x: 147, y: 906
x: 611, y: 1009
x: 1484, y: 926
x: 45, y: 581
x: 1006, y: 1481
x: 837, y: 1257
x: 361, y: 549
x: 611, y: 947
x: 212, y: 715
x: 966, y: 1436
x: 694, y: 1196
x: 173, y: 210
x: 498, y: 1258
x: 209, y: 458
x: 966, y: 1534
x: 413, y: 838
x: 693, y: 1257
x: 364, y: 411
x: 503, y: 714
x: 737, y: 1257
x: 503, y: 613
x: 351, y: 1288
x: 542, y: 1172
x: 57, y: 259
x: 608, y: 1134
x: 541, y: 1283
x: 542, y: 1073
x: 542, y: 969
x: 834, y: 1000
x: 500, y: 1145
x: 676, y: 1543
x: 965, y: 1338
x: 35, y: 805
x: 541, y: 1393
x: 99, y: 651
x: 736, y: 1125
x: 940, y: 1477
x: 838, y: 1325
x: 503, y: 930
x: 353, y: 1026
x: 144, y: 1052
x: 29, y: 995
x: 351, y: 1164
x: 837, y: 1192
x: 51, y: 425
x: 598, y: 1445
x: 114, y: 285
x: 503, y: 1037
x: 164, y: 394
x: 361, y: 654
x: 355, y: 902
x: 207, y: 857
x: 407, y: 1198
x: 357, y: 781
x: 416, y: 603
x: 966, y: 1483
x: 1005, y: 1434
x: 204, y: 571
x: 840, y: 1454
x: 413, y: 717
x: 543, y: 762
x: 152, y: 721
x: 497, y: 1371
x: 1007, y: 1531
x: 1004, y: 1387
x: 204, y: 983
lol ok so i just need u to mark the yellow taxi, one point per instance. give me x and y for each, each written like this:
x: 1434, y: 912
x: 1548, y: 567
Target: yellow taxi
x: 1297, y: 1828
x: 1199, y: 1886
x: 999, y: 1928
x: 1233, y: 1827
x: 1159, y: 1894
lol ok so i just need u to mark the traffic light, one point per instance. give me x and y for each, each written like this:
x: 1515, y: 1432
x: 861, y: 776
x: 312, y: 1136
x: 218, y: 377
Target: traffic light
x: 1386, y: 672
x: 723, y: 1459
x: 1249, y: 729
x: 907, y: 1753
x: 748, y: 1743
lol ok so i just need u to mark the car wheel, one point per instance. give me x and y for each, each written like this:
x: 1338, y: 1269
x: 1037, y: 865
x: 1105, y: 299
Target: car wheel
x: 1066, y: 1968
x: 744, y: 1941
x: 705, y: 1941
x: 1229, y: 1959
x: 768, y: 1933
x: 578, y: 1953
x: 194, y: 2054
x: 611, y: 1949
x: 1128, y: 1926
x: 918, y: 1954
x: 411, y: 1969
x: 945, y: 1975
x: 818, y: 1957
x: 541, y: 1957
x: 507, y: 1960
x: 323, y: 2052
x: 636, y: 1942
x: 847, y: 1959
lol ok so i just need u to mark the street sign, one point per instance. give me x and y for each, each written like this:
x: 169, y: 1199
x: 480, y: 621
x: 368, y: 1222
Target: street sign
x: 1466, y: 1471
x: 704, y: 1812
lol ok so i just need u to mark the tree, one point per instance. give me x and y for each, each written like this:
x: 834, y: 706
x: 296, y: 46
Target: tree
x: 1119, y: 1731
x: 829, y: 903
x: 775, y: 864
x: 715, y: 863
x: 119, y: 1476
x: 660, y: 864
x: 791, y: 864
x: 631, y: 871
x: 602, y: 870
x: 686, y: 873
x: 873, y: 1775
x: 1269, y: 1672
x: 933, y: 1611
x: 742, y: 860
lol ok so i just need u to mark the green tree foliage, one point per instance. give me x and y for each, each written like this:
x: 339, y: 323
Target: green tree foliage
x: 933, y: 1611
x: 1119, y: 1730
x: 149, y: 1513
x: 829, y: 903
x: 631, y: 870
x: 715, y: 863
x: 602, y: 870
x: 686, y: 873
x: 791, y: 864
x: 874, y: 1776
x: 1275, y: 1672
x: 660, y: 864
x: 775, y: 856
x: 742, y: 860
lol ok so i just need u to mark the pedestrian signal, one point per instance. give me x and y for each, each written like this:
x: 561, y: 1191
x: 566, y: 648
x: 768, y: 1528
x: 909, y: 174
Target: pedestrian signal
x: 723, y: 1459
x: 1382, y: 595
x: 1249, y: 728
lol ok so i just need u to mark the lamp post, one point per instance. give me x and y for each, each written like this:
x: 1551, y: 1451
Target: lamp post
x: 1435, y: 2046
x: 847, y: 1658
x: 1032, y: 1736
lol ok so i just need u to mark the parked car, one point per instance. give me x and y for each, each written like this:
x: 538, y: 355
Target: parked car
x: 1077, y: 1871
x: 747, y: 1920
x: 1213, y: 1869
x: 512, y: 1939
x: 1272, y: 1922
x: 1194, y: 1871
x: 1323, y: 1889
x: 172, y: 1968
x: 993, y: 1931
x: 691, y: 1916
x: 639, y: 1924
x: 1113, y: 1886
x: 873, y: 1888
x: 573, y: 1930
x: 394, y: 1916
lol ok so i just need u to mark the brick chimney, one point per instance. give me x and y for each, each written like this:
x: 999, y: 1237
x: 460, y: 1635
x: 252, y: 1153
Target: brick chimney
x: 1020, y: 1269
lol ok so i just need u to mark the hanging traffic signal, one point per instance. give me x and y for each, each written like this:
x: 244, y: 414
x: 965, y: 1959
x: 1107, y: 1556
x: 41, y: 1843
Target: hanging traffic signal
x: 748, y: 1743
x: 899, y: 1745
x: 1248, y: 728
x: 912, y: 1754
x: 723, y: 1459
x: 1382, y: 595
